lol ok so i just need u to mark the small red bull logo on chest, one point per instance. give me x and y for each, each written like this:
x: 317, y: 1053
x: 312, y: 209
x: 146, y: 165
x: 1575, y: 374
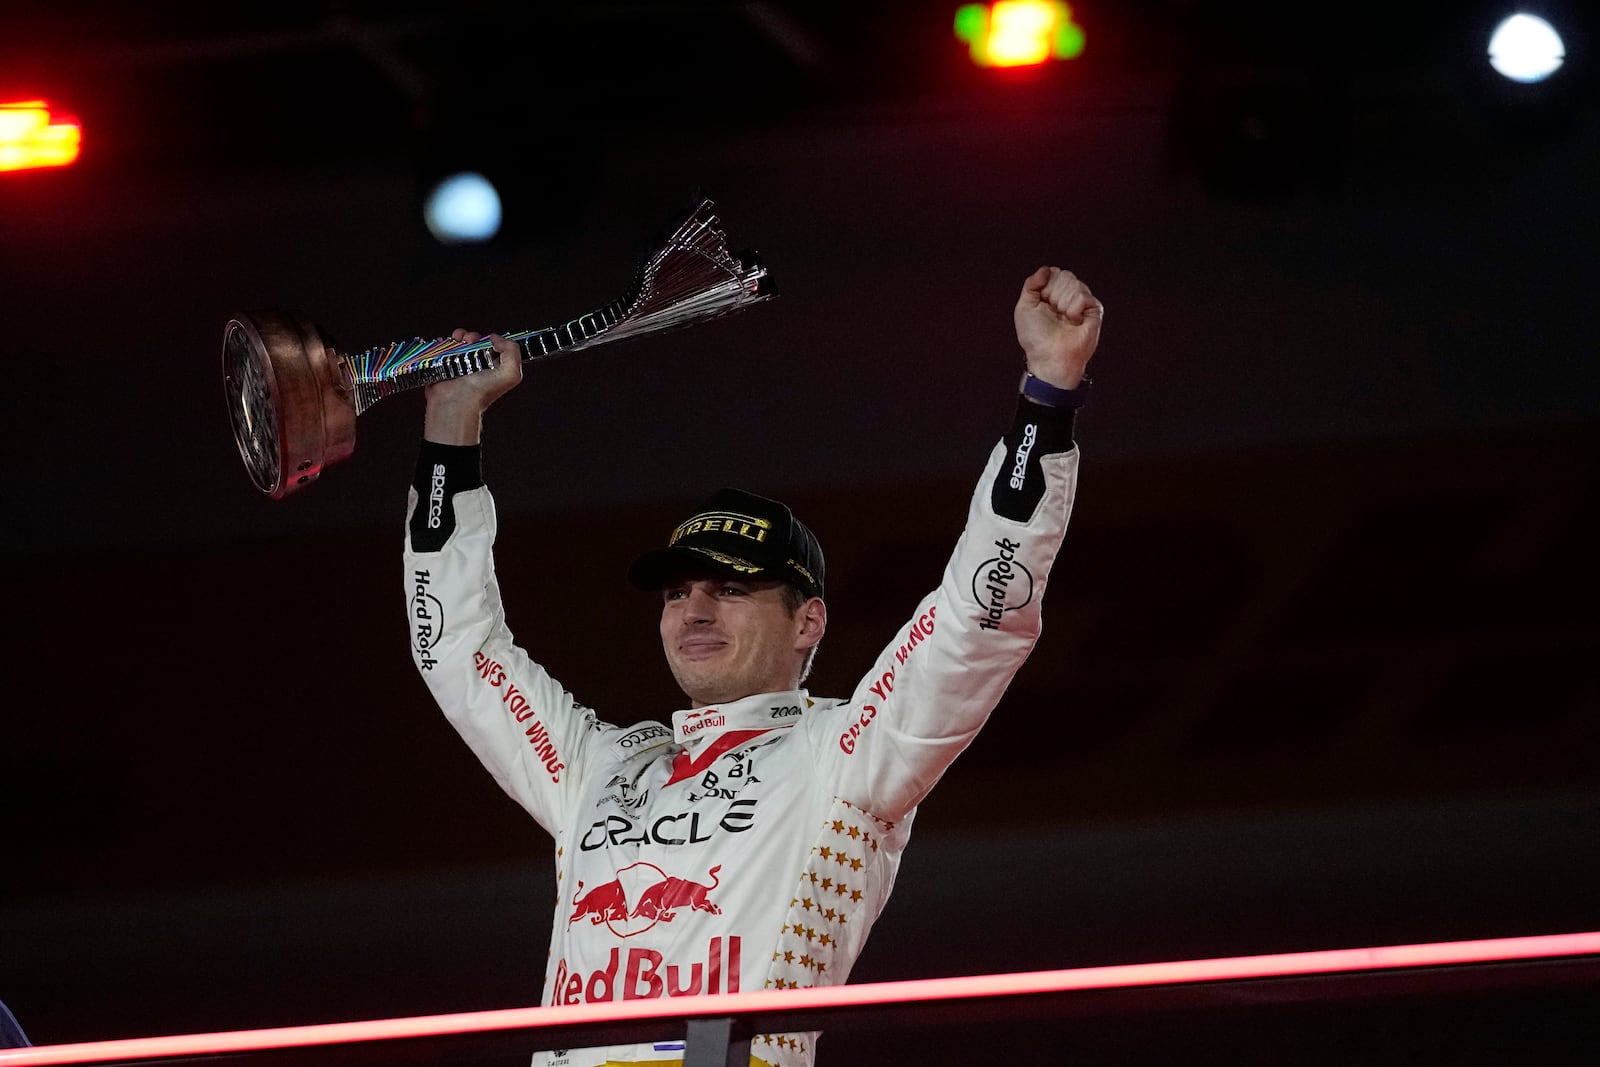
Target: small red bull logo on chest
x: 642, y: 895
x: 696, y: 721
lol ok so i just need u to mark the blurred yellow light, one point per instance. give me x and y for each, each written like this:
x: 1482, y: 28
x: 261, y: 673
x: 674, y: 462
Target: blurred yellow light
x: 29, y: 138
x: 1021, y: 32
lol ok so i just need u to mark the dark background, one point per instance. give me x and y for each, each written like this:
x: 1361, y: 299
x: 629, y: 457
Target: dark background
x: 1319, y: 662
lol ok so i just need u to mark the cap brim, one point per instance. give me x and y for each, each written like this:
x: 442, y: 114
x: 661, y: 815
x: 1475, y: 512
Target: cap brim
x: 660, y: 567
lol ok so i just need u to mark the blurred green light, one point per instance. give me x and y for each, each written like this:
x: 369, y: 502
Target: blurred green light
x: 972, y: 22
x: 1069, y: 39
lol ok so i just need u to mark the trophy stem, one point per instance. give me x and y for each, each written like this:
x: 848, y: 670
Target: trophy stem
x: 395, y: 368
x: 692, y: 277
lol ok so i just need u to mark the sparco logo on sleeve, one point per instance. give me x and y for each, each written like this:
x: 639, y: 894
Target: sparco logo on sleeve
x: 640, y: 738
x: 436, y: 497
x: 427, y: 620
x: 1001, y: 584
x: 1030, y: 434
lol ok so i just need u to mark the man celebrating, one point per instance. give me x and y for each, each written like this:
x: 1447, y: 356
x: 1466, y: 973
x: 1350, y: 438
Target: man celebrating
x: 753, y: 843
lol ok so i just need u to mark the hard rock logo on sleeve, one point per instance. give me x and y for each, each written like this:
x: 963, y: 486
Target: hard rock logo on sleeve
x: 1001, y: 584
x: 427, y: 620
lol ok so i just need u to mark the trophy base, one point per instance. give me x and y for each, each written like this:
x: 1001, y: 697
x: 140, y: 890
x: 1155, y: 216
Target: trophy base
x: 289, y: 400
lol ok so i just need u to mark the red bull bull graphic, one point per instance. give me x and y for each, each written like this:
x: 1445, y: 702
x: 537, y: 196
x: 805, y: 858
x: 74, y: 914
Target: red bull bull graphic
x: 642, y: 895
x: 648, y: 974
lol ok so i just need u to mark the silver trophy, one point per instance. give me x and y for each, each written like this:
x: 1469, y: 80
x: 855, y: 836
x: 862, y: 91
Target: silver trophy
x: 293, y: 401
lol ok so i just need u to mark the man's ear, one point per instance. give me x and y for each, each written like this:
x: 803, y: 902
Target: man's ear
x: 813, y: 620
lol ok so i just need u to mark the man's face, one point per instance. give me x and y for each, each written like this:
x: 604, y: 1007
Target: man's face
x: 726, y: 639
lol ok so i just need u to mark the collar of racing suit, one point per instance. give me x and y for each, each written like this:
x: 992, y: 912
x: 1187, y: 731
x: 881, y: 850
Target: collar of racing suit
x: 757, y: 714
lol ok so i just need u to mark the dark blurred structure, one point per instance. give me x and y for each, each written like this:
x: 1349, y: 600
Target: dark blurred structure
x: 1319, y: 662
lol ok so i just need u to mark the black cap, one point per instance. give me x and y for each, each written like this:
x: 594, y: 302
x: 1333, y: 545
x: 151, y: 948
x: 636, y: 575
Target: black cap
x: 740, y: 535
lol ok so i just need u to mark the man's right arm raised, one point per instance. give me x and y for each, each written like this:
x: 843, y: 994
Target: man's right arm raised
x: 523, y: 726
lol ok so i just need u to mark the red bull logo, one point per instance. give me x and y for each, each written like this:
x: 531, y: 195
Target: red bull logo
x: 696, y: 721
x: 640, y: 896
x: 647, y: 974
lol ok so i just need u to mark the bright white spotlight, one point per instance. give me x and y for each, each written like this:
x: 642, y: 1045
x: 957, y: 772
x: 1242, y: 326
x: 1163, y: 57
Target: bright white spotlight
x: 463, y: 207
x: 1526, y: 48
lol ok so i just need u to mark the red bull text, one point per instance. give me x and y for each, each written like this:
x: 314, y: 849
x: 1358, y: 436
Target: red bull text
x: 647, y: 974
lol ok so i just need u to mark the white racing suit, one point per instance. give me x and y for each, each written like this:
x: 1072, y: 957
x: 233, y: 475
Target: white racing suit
x: 753, y: 844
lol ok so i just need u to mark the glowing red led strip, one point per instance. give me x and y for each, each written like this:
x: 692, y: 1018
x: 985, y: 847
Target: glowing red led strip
x: 1334, y: 961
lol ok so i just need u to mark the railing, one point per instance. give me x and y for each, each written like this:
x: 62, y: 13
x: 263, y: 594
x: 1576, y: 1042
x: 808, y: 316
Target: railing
x: 718, y: 1029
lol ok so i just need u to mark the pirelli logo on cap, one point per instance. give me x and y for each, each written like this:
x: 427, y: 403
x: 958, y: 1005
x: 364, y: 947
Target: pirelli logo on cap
x: 724, y: 522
